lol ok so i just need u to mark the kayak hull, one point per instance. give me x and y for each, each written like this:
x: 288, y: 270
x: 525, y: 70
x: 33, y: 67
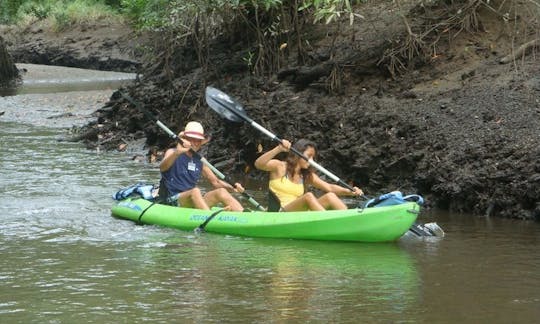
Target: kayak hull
x: 379, y: 224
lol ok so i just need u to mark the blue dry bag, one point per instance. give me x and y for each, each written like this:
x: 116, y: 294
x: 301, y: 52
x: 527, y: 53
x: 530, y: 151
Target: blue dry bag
x: 140, y: 189
x: 393, y: 198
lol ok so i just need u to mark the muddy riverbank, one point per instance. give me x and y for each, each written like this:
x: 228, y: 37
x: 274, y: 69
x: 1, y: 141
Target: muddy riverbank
x: 462, y: 130
x: 108, y: 46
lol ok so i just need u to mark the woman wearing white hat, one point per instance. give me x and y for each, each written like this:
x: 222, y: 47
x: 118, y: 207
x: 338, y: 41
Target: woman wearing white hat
x: 181, y: 169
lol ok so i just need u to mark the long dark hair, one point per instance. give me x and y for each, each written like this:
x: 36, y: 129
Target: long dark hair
x: 292, y: 160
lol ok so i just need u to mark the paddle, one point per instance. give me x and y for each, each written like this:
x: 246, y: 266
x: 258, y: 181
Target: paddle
x: 220, y: 175
x: 230, y: 109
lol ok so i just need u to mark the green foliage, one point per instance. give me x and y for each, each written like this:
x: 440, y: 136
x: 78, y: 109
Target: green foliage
x: 38, y: 9
x: 8, y: 9
x: 133, y: 8
x: 268, y: 26
x: 148, y: 14
x: 156, y: 13
x: 331, y: 10
x: 61, y: 20
x: 61, y: 12
x: 152, y: 14
x: 264, y: 4
x: 116, y: 4
x: 162, y: 13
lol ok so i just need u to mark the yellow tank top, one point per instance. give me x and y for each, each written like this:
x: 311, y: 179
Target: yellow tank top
x: 286, y: 190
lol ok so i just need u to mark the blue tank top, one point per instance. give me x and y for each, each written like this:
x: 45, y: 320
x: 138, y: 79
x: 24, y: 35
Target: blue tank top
x: 183, y: 174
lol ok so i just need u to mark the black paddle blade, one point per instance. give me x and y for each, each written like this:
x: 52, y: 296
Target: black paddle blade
x: 224, y: 105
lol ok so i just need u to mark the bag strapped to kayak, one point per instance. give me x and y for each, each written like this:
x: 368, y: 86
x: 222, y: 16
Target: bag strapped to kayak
x: 397, y: 198
x: 393, y: 198
x: 139, y: 189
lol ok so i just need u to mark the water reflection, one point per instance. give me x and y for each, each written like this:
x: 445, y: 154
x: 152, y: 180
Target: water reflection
x: 242, y: 278
x: 161, y: 274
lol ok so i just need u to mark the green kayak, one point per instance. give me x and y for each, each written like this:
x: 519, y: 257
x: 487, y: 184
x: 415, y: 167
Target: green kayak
x: 378, y: 224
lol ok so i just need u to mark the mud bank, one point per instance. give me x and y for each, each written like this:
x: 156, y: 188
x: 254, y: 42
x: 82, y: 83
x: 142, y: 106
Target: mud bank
x: 462, y: 130
x: 470, y: 146
x: 109, y: 46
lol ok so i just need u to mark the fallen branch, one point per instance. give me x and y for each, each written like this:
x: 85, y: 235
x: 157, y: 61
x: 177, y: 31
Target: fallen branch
x: 520, y: 51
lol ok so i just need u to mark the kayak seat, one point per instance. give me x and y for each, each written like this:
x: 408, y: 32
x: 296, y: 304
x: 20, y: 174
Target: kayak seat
x: 274, y: 205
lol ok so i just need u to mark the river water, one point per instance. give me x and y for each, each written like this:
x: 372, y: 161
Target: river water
x: 64, y: 259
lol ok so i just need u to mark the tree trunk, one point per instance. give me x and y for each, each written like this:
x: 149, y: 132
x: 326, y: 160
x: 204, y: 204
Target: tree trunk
x: 8, y: 71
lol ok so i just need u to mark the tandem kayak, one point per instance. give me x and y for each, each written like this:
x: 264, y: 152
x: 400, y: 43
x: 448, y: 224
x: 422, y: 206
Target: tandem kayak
x: 380, y: 224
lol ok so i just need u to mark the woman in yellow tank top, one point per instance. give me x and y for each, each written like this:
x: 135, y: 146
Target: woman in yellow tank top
x: 289, y: 179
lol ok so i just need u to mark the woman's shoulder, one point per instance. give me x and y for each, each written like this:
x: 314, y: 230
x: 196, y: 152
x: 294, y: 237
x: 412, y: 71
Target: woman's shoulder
x: 169, y: 151
x: 279, y: 168
x: 276, y: 163
x: 281, y: 164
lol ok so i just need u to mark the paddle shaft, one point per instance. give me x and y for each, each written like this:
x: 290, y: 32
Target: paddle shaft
x: 171, y: 134
x: 275, y: 138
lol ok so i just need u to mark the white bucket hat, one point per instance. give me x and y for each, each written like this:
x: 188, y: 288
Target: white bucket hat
x: 193, y: 130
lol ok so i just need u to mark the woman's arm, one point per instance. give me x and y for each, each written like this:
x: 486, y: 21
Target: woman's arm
x: 319, y: 183
x: 266, y: 162
x: 218, y: 183
x: 171, y: 155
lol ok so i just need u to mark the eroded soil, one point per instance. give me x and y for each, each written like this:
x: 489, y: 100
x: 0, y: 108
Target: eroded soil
x: 463, y: 130
x: 109, y: 46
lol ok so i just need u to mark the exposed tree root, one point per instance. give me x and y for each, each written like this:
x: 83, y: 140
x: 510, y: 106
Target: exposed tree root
x: 520, y: 51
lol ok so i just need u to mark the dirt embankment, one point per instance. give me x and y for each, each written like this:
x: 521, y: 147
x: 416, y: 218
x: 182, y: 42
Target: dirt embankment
x: 8, y: 70
x: 109, y: 46
x: 462, y: 130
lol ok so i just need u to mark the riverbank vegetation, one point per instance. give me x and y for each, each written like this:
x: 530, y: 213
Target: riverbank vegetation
x: 270, y: 30
x: 59, y: 13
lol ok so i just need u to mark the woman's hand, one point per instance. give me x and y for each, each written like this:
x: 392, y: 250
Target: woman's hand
x: 285, y: 145
x: 182, y: 146
x: 238, y: 188
x: 266, y: 162
x: 357, y: 192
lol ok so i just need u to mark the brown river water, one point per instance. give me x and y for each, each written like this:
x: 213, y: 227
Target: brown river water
x: 64, y: 259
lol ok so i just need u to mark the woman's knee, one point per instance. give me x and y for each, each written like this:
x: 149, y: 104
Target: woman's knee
x: 196, y: 191
x: 331, y: 200
x: 222, y: 193
x: 218, y: 195
x: 312, y: 202
x: 330, y: 196
x: 309, y: 196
